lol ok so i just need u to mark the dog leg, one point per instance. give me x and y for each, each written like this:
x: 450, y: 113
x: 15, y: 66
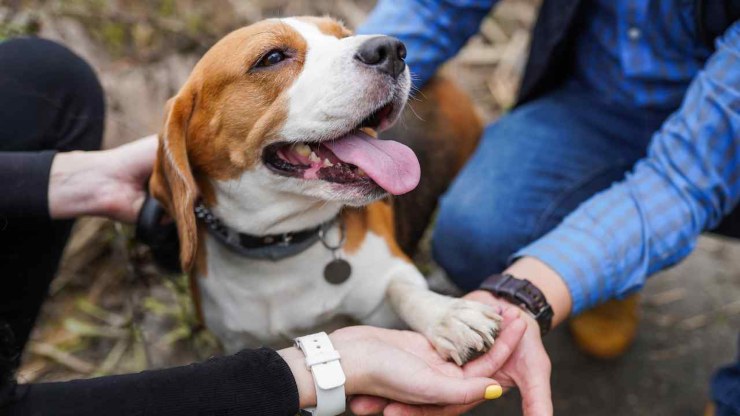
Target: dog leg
x: 459, y: 329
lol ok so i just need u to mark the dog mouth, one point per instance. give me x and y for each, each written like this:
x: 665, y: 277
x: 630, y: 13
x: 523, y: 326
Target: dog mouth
x: 355, y: 158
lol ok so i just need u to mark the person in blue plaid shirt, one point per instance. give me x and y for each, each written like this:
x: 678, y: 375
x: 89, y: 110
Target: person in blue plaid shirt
x: 623, y: 148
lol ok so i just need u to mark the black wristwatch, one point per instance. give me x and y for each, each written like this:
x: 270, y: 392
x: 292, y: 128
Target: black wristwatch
x: 523, y: 293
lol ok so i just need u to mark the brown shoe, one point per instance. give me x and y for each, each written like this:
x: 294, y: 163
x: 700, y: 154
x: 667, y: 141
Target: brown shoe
x: 607, y: 331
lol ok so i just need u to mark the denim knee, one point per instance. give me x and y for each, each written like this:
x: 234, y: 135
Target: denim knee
x: 471, y: 244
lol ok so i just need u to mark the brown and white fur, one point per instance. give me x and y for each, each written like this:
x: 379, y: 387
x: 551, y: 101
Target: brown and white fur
x: 216, y: 131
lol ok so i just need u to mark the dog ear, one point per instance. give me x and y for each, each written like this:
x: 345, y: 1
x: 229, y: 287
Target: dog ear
x: 172, y: 181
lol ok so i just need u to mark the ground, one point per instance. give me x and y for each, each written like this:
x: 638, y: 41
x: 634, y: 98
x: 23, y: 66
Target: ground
x: 110, y: 311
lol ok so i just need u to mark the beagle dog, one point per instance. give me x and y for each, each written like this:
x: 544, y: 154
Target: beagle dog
x: 270, y: 164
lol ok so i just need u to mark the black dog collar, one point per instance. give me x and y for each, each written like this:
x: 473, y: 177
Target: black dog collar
x: 267, y: 247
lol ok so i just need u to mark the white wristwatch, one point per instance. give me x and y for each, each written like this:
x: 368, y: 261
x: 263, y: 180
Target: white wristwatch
x: 323, y: 362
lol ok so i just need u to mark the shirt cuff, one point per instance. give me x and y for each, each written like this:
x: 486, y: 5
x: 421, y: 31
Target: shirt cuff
x: 24, y: 183
x: 579, y: 258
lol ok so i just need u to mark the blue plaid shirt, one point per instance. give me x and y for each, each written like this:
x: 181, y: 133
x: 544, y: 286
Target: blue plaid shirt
x: 638, y: 53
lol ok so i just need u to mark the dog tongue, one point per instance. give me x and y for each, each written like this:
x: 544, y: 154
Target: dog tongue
x: 392, y: 165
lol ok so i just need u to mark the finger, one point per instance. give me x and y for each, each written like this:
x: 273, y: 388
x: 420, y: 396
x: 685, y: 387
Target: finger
x: 144, y: 147
x: 367, y: 405
x: 146, y: 143
x: 402, y: 409
x: 136, y: 205
x: 146, y: 153
x: 442, y: 389
x: 507, y: 341
x: 137, y: 158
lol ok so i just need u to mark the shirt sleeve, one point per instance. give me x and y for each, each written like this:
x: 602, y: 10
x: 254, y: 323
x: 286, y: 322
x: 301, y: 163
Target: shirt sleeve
x: 433, y: 30
x: 649, y: 221
x: 252, y: 382
x: 24, y: 183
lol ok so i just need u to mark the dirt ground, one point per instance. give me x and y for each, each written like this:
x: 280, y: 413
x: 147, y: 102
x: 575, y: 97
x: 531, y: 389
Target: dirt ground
x: 111, y: 312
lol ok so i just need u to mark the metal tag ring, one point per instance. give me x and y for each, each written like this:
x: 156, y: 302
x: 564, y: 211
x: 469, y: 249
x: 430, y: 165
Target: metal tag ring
x: 342, y: 236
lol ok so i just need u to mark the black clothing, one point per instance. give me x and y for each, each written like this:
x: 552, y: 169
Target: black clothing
x: 51, y: 100
x: 252, y: 382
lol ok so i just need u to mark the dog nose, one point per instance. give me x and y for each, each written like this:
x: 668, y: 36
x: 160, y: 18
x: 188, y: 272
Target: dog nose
x: 384, y: 53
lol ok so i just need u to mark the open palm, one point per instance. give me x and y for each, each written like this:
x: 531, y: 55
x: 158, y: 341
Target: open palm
x: 517, y: 359
x: 403, y: 365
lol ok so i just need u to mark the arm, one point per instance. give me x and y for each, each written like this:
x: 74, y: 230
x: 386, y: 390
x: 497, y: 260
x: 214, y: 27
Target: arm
x: 649, y: 221
x: 71, y: 184
x: 250, y: 382
x: 611, y: 243
x: 652, y: 219
x: 433, y: 31
x: 108, y: 183
x: 399, y: 365
x: 24, y: 181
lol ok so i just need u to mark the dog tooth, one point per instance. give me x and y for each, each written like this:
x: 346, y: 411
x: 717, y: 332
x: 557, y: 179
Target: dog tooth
x: 327, y: 163
x: 303, y: 149
x: 361, y: 172
x: 370, y: 132
x: 313, y: 157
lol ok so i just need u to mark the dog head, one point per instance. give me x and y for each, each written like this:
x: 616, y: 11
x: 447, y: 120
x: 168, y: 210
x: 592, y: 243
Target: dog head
x: 284, y: 108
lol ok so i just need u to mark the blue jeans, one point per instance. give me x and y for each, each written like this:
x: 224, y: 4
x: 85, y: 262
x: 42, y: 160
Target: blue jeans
x: 726, y: 389
x: 532, y: 168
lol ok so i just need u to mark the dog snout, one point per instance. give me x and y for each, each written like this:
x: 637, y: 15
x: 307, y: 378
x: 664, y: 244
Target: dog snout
x: 384, y: 53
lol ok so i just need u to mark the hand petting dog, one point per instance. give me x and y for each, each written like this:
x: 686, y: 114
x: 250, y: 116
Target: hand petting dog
x: 109, y: 183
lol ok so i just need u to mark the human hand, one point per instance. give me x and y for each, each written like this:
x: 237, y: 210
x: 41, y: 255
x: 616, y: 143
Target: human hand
x: 516, y: 326
x: 109, y: 183
x: 517, y: 359
x: 397, y: 365
x: 527, y: 366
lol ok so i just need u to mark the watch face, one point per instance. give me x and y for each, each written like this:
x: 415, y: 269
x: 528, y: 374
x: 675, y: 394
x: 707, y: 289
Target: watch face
x: 328, y: 376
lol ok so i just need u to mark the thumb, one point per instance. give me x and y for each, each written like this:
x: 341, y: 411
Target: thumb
x: 441, y: 389
x: 367, y: 405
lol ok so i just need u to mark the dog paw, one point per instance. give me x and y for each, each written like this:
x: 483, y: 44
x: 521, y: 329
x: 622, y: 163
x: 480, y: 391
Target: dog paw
x: 466, y: 330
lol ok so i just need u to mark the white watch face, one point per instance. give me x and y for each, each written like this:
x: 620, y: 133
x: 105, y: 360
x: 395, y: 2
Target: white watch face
x: 328, y: 376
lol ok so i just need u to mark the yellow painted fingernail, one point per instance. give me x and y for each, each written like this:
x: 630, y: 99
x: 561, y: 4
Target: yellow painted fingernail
x: 493, y: 392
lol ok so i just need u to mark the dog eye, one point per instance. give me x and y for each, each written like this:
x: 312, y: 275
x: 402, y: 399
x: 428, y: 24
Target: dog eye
x: 271, y: 58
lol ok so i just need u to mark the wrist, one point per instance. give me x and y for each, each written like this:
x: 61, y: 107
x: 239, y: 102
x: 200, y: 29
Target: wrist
x: 302, y: 375
x: 68, y: 195
x: 347, y: 344
x: 548, y: 281
x: 308, y: 382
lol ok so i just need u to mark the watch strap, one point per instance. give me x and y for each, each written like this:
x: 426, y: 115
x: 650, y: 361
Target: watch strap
x: 323, y: 362
x: 524, y: 293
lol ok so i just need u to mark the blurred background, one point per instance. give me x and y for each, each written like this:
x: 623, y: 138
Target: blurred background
x: 110, y: 311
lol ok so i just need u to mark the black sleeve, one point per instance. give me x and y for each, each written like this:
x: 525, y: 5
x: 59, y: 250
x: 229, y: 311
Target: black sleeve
x: 24, y: 183
x: 252, y: 382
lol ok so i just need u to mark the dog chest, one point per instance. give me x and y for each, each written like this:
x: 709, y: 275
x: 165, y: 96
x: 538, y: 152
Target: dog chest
x: 248, y: 301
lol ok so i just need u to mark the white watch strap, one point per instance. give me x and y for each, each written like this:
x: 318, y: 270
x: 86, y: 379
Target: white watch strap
x: 323, y: 361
